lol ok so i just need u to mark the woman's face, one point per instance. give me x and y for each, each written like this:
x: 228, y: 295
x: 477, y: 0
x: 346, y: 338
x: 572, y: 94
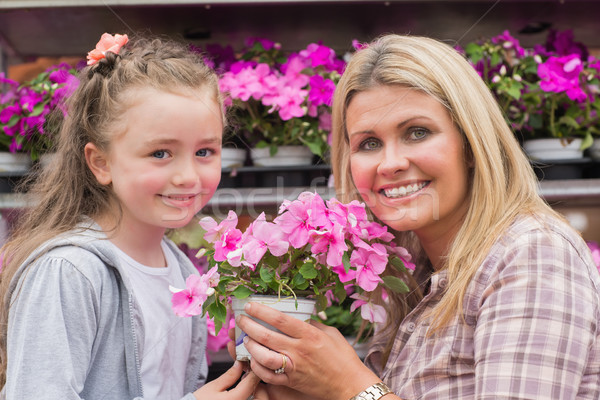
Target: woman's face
x: 407, y: 161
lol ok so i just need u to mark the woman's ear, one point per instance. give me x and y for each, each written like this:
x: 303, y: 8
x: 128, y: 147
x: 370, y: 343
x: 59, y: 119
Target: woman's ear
x: 97, y: 162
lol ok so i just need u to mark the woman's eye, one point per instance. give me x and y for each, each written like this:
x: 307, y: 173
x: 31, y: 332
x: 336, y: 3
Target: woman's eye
x: 204, y: 152
x: 418, y: 133
x: 369, y: 144
x: 160, y: 154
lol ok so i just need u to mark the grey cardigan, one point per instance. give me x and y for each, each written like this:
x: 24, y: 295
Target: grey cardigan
x: 74, y: 325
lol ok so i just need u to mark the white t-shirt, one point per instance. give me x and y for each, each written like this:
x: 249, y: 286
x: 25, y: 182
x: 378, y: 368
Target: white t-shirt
x: 168, y: 337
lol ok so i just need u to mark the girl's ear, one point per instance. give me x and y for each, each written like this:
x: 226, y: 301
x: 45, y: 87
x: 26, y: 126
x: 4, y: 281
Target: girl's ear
x: 97, y: 162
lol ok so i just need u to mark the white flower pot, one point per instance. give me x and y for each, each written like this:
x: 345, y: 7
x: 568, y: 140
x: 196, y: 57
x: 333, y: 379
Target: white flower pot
x: 595, y: 149
x: 287, y: 305
x: 553, y: 149
x: 285, y: 156
x: 14, y: 162
x: 231, y: 158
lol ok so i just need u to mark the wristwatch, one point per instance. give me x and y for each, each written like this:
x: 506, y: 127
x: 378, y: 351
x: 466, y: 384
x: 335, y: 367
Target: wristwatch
x: 373, y: 392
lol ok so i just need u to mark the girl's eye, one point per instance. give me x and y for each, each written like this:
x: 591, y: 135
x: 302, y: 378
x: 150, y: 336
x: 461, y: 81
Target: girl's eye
x: 204, y: 152
x: 418, y: 133
x: 160, y: 154
x: 369, y: 144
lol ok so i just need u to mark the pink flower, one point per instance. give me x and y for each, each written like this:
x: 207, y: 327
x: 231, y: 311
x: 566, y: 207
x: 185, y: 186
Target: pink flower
x: 370, y: 262
x: 265, y: 236
x: 107, y: 43
x: 215, y: 231
x: 369, y: 311
x: 227, y: 243
x: 331, y: 242
x: 401, y: 253
x: 561, y: 74
x: 188, y: 302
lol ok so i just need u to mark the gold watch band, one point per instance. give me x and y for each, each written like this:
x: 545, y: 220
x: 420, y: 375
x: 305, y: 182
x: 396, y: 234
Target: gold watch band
x: 373, y: 392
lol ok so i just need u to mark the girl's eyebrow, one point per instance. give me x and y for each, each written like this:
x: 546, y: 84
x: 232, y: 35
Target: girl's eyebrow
x: 165, y: 141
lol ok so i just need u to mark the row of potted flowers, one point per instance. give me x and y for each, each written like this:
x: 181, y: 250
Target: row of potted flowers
x: 276, y: 98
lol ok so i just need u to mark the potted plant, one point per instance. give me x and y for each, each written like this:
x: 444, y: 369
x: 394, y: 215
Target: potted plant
x: 282, y: 102
x: 323, y: 251
x: 25, y: 111
x: 549, y: 93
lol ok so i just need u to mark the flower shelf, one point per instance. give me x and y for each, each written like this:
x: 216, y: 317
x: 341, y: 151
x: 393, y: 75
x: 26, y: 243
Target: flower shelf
x: 260, y: 177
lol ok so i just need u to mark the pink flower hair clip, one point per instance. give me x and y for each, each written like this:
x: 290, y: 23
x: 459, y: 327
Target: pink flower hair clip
x: 107, y: 42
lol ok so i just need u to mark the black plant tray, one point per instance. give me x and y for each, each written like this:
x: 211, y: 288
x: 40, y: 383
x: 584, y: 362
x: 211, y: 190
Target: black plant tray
x: 292, y: 176
x: 580, y: 168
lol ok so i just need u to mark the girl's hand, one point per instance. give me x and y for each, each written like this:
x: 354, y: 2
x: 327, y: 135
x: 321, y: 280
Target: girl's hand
x: 320, y: 362
x: 217, y: 389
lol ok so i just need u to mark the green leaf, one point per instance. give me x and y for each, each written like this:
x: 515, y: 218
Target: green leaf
x: 308, y: 271
x: 588, y: 140
x: 218, y: 312
x: 299, y: 282
x: 266, y: 274
x: 398, y: 263
x: 395, y: 284
x: 38, y: 109
x: 321, y: 303
x: 315, y: 147
x: 474, y: 51
x: 514, y: 90
x: 241, y: 292
x: 346, y: 261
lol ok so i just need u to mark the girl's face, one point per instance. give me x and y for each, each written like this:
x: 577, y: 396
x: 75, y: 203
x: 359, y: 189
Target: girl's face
x: 407, y: 161
x: 166, y: 164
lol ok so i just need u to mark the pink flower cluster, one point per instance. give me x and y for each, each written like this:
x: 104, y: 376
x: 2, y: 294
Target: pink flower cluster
x: 289, y: 90
x: 323, y: 248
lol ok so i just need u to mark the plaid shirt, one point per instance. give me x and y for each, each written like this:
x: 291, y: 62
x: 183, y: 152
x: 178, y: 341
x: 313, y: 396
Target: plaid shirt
x: 532, y: 315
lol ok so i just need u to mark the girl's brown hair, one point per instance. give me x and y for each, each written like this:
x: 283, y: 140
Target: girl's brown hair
x: 66, y: 191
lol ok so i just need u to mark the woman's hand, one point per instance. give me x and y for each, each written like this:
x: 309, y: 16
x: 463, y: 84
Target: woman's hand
x: 319, y: 360
x: 217, y: 389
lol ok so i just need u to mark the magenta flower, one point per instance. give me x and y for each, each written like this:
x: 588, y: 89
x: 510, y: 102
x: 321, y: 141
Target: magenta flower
x: 561, y: 74
x: 321, y: 90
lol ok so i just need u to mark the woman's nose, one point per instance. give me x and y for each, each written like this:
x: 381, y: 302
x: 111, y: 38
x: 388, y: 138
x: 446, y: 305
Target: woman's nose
x: 393, y: 160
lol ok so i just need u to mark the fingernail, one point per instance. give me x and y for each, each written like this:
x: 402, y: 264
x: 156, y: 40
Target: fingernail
x: 246, y: 338
x: 247, y: 307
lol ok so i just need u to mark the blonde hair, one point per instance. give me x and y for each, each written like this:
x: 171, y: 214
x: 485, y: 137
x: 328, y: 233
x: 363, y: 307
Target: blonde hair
x: 66, y: 191
x: 502, y: 184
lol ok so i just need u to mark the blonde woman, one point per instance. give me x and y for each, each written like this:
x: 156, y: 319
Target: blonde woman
x: 510, y: 305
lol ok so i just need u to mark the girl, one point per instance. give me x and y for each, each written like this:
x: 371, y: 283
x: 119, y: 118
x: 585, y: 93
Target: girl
x: 510, y: 305
x: 86, y: 307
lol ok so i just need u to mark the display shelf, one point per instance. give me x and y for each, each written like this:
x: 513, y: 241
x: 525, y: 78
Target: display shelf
x: 571, y: 191
x: 55, y: 28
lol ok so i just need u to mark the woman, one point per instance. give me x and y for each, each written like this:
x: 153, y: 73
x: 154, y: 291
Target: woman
x: 510, y: 305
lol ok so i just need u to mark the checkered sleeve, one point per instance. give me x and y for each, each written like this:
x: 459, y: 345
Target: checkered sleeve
x: 537, y: 321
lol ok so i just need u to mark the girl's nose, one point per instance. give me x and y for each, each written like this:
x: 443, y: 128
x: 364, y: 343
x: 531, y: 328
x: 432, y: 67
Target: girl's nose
x: 186, y: 174
x: 393, y: 161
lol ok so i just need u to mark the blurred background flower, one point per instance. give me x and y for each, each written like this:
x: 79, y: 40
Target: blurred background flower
x: 25, y: 109
x: 550, y: 90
